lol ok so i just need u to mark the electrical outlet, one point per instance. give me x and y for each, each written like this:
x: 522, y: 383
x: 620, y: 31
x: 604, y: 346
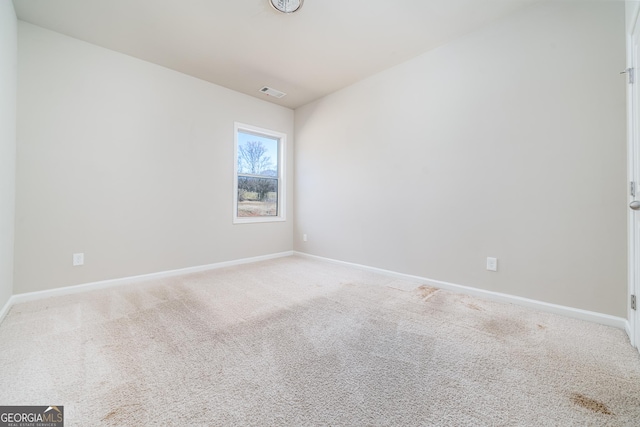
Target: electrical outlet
x: 304, y: 237
x: 492, y: 264
x: 78, y: 259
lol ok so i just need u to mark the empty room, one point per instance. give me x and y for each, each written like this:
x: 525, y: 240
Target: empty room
x: 319, y: 213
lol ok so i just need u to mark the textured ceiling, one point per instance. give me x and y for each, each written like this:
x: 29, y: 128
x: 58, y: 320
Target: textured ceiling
x: 245, y: 44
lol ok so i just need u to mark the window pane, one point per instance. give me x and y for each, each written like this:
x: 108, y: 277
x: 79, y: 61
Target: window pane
x: 259, y: 179
x: 257, y: 155
x: 257, y: 196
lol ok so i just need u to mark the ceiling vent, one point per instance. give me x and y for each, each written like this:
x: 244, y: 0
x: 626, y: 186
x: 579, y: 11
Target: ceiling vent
x: 272, y: 92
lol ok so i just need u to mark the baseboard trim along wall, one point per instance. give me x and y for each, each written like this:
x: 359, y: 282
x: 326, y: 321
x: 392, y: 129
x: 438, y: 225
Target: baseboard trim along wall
x: 103, y: 284
x: 576, y: 313
x: 5, y: 308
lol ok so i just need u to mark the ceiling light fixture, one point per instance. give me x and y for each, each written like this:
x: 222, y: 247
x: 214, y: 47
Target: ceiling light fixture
x: 286, y: 6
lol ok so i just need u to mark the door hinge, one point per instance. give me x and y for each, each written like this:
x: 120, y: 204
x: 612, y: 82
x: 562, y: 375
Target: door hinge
x: 631, y: 73
x: 632, y: 189
x: 634, y: 305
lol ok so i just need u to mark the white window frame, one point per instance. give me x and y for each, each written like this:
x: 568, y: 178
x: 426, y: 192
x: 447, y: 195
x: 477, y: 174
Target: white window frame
x: 282, y: 149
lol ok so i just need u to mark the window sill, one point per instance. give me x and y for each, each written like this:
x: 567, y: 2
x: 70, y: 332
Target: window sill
x: 254, y: 220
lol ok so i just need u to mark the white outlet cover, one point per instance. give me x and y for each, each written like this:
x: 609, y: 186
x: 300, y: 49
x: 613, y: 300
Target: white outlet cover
x: 492, y: 264
x: 78, y: 259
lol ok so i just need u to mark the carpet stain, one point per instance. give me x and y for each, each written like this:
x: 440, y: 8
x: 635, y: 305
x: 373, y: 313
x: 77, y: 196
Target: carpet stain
x: 110, y: 415
x: 474, y: 307
x: 591, y: 404
x: 504, y: 327
x: 541, y: 326
x: 425, y: 292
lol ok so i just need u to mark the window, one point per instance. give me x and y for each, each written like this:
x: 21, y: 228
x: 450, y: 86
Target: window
x: 259, y: 175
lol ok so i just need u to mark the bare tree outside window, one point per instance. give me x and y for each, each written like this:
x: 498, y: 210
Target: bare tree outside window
x: 257, y: 175
x: 253, y: 158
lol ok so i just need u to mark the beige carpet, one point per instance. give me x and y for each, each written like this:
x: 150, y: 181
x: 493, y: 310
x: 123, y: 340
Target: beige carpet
x: 295, y: 342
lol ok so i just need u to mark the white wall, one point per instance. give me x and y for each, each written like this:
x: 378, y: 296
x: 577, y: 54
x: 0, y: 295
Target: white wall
x: 128, y: 162
x: 8, y: 85
x: 631, y: 9
x: 509, y: 143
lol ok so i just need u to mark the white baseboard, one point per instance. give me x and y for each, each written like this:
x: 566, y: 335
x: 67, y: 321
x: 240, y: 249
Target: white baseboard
x: 67, y: 290
x: 576, y: 313
x: 604, y: 319
x: 5, y: 309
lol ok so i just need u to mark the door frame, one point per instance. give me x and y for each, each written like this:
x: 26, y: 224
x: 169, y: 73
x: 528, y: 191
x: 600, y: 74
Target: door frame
x: 633, y: 169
